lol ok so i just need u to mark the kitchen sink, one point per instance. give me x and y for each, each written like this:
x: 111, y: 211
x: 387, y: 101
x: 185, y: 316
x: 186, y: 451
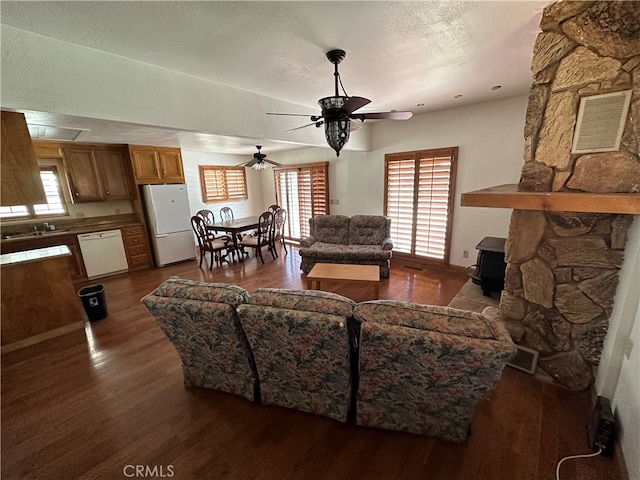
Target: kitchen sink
x: 10, y: 236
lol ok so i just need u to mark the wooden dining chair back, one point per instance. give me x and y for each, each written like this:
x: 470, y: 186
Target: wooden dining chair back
x: 263, y: 236
x: 207, y: 216
x: 215, y: 246
x: 279, y: 219
x: 226, y: 214
x: 273, y: 208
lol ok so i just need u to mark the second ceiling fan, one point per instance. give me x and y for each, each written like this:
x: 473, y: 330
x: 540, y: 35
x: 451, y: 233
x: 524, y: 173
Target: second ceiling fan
x: 259, y: 161
x: 339, y: 111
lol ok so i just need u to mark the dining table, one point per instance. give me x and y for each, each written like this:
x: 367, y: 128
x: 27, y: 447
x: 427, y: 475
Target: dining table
x: 234, y: 228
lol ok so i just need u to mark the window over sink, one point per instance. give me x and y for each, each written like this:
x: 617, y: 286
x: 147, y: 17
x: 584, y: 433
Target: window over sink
x: 55, y: 202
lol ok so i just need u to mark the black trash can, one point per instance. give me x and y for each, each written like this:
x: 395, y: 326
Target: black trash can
x: 94, y: 301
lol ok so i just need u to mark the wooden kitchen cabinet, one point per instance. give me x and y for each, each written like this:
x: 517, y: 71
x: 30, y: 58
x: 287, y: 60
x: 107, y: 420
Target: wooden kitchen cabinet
x: 154, y: 165
x: 114, y: 174
x: 21, y: 184
x: 83, y: 174
x: 136, y: 247
x: 97, y: 174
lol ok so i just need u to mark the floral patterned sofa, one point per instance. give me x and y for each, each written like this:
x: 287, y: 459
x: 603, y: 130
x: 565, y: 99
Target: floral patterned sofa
x: 388, y: 364
x: 201, y: 321
x: 422, y: 368
x: 360, y: 239
x: 302, y: 350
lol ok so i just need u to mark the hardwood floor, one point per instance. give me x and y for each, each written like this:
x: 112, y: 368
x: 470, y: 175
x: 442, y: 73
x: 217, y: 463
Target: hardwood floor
x: 99, y: 403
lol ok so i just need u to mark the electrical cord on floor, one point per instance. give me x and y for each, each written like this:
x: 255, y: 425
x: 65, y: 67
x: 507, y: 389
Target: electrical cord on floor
x: 575, y: 456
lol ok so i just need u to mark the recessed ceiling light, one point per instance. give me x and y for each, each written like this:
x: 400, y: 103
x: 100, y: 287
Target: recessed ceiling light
x: 458, y: 96
x: 496, y: 87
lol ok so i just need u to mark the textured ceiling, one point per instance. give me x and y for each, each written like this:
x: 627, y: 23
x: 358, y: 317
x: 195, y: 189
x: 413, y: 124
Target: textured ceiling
x: 399, y: 54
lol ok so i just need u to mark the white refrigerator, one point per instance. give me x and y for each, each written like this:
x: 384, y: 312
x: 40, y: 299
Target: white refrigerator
x: 169, y: 216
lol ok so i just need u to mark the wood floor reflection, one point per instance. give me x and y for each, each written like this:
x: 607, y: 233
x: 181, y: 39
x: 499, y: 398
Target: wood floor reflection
x: 97, y: 403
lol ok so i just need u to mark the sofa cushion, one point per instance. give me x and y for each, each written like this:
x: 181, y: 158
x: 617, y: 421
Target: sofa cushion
x: 304, y: 300
x: 369, y: 229
x: 332, y: 252
x: 423, y: 381
x: 424, y: 317
x: 201, y: 322
x: 330, y: 228
x: 208, y: 292
x: 302, y: 357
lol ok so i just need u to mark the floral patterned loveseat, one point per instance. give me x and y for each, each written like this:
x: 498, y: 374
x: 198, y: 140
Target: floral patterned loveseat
x: 201, y: 322
x: 301, y: 345
x: 360, y: 239
x: 423, y: 368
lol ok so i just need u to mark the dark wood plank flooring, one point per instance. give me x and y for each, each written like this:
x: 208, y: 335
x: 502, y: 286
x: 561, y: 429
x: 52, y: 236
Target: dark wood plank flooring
x: 99, y: 403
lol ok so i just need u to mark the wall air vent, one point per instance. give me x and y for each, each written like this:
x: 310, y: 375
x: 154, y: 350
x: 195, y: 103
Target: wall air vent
x: 601, y: 120
x: 47, y: 132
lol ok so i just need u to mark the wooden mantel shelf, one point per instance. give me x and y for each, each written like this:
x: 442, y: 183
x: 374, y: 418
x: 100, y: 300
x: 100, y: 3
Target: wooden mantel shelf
x: 507, y: 196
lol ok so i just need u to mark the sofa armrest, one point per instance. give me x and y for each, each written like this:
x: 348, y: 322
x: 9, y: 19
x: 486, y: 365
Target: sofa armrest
x: 307, y: 241
x: 495, y: 321
x: 387, y: 244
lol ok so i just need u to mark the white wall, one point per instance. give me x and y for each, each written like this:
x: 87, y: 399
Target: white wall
x: 192, y: 160
x: 490, y: 137
x: 618, y: 378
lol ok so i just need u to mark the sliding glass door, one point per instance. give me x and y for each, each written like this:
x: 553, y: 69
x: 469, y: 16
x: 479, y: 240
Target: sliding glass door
x: 303, y: 191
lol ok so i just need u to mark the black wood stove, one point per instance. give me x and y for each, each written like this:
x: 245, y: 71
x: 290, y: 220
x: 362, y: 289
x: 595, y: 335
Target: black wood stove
x: 490, y: 266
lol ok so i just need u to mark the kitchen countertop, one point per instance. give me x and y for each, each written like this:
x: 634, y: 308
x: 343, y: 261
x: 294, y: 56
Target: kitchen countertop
x: 35, y: 255
x: 70, y: 230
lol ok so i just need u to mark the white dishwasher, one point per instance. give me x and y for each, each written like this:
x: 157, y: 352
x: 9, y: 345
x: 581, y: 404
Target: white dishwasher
x: 103, y: 253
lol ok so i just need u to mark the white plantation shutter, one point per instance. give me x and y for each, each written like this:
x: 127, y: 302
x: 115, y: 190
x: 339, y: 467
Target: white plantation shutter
x: 419, y: 200
x: 303, y: 191
x: 222, y: 184
x: 55, y: 203
x: 399, y: 202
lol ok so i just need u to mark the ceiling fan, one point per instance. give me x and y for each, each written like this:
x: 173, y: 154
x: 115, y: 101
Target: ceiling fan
x: 259, y: 161
x: 338, y: 115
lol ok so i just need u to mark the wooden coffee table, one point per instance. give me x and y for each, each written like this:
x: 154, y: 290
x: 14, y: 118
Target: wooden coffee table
x: 344, y: 272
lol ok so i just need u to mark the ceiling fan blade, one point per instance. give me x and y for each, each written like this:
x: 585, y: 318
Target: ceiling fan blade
x: 291, y: 114
x: 355, y: 124
x: 384, y: 115
x: 354, y: 103
x: 274, y: 163
x: 250, y: 163
x: 317, y: 124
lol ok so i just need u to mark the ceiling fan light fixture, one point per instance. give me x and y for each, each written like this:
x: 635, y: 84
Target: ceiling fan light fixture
x: 337, y: 133
x: 338, y: 110
x: 259, y: 166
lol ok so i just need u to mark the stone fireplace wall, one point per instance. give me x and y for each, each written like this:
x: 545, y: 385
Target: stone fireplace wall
x: 562, y: 267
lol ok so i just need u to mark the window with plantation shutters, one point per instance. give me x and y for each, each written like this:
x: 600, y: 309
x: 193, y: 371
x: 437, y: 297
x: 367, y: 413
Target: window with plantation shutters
x: 55, y: 202
x: 303, y: 191
x: 222, y: 184
x: 419, y: 192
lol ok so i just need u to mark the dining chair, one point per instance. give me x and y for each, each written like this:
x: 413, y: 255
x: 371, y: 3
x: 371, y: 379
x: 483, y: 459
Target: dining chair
x: 208, y: 244
x: 207, y: 216
x: 273, y: 208
x: 226, y: 214
x: 262, y: 237
x: 279, y: 219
